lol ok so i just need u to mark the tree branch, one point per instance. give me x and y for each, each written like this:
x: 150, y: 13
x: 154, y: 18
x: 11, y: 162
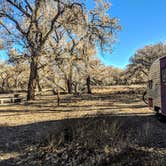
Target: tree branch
x: 13, y: 20
x: 19, y: 7
x: 29, y: 6
x: 5, y: 27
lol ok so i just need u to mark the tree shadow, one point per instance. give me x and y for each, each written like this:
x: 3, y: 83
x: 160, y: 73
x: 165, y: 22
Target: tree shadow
x: 18, y: 138
x: 99, y: 100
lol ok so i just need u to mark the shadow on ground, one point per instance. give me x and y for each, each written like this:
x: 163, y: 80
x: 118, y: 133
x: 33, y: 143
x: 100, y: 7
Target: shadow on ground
x: 18, y: 138
x: 70, y: 103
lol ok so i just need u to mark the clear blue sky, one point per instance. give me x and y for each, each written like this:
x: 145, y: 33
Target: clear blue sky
x: 143, y: 23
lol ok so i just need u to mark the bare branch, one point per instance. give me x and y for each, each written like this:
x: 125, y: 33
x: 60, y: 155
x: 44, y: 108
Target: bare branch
x: 3, y: 14
x: 5, y: 27
x: 29, y: 6
x: 19, y: 7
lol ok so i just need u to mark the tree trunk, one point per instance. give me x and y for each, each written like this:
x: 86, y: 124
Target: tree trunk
x: 58, y: 97
x: 88, y: 85
x: 3, y: 85
x: 32, y: 79
x: 70, y: 78
x: 69, y: 85
x: 76, y: 88
x: 38, y: 84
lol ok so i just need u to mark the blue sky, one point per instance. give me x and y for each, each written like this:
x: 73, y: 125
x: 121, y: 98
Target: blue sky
x: 143, y: 23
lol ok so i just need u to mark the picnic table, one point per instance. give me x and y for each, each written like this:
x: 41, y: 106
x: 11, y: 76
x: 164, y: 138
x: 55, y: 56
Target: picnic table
x: 6, y: 100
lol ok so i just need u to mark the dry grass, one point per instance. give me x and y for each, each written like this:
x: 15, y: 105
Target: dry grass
x: 99, y: 141
x: 45, y: 107
x: 111, y: 125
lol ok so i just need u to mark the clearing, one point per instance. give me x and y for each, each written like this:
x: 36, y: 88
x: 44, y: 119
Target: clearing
x: 25, y: 125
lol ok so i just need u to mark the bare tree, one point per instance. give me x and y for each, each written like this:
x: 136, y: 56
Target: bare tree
x: 34, y: 21
x: 140, y: 63
x: 65, y: 31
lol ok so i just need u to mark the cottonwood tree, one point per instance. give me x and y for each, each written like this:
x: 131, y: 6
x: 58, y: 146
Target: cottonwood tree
x: 20, y: 69
x: 105, y: 75
x: 140, y: 63
x: 33, y: 21
x: 96, y: 31
x: 99, y: 34
x: 13, y: 76
x: 31, y: 24
x: 5, y: 75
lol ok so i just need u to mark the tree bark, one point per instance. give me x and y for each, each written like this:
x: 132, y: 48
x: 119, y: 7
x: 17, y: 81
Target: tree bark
x: 76, y: 88
x: 38, y: 83
x: 32, y: 79
x: 58, y: 97
x: 69, y: 86
x: 88, y: 85
x: 70, y: 78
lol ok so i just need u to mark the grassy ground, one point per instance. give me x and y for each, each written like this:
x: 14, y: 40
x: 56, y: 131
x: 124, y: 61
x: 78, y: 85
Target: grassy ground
x: 112, y: 125
x: 107, y: 100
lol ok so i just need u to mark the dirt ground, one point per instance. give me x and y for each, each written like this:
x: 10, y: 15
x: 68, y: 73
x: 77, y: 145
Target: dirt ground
x: 114, y: 100
x: 23, y: 125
